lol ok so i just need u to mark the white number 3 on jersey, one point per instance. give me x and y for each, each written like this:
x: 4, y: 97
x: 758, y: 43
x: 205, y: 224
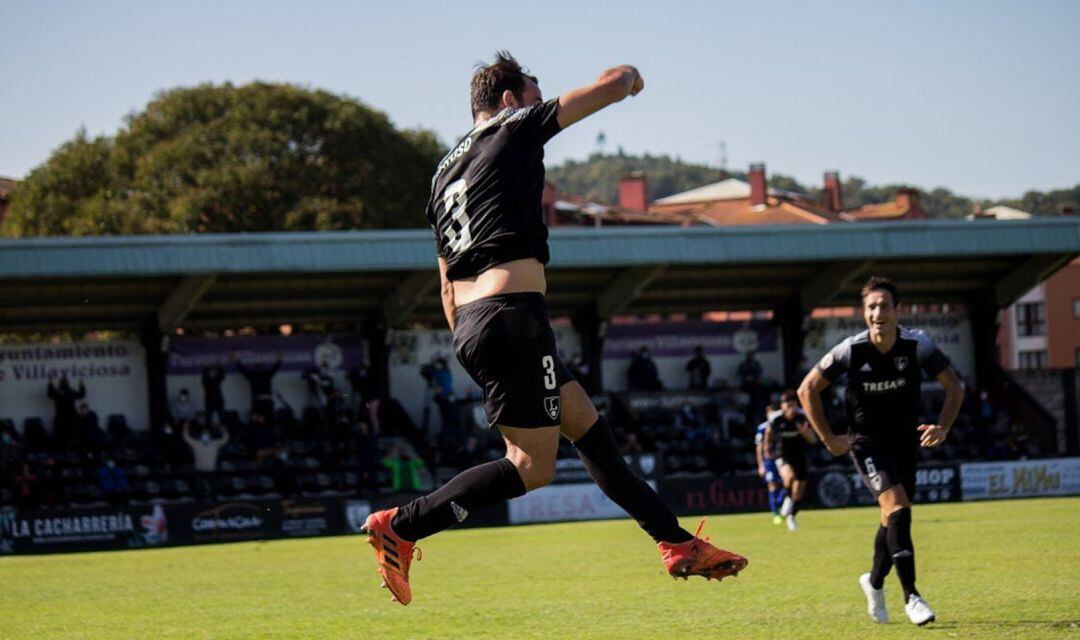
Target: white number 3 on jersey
x: 455, y: 197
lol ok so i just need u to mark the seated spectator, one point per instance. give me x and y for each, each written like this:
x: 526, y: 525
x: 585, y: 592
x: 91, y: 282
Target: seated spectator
x: 691, y: 425
x: 280, y: 466
x: 404, y: 467
x: 182, y: 409
x: 53, y: 481
x: 467, y: 454
x: 64, y: 397
x: 698, y: 370
x: 113, y: 482
x: 88, y: 431
x: 643, y: 374
x: 26, y: 488
x: 630, y: 444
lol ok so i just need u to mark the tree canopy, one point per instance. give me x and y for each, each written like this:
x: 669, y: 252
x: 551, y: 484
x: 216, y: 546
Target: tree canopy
x: 221, y: 158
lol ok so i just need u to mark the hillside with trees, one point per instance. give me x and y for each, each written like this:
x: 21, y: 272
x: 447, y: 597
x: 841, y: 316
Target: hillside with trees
x: 258, y: 157
x: 597, y: 179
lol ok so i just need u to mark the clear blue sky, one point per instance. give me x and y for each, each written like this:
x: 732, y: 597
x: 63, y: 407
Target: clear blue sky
x: 981, y: 97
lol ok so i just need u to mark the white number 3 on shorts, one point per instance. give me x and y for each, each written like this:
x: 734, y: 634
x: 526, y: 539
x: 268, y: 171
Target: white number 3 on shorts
x: 549, y: 371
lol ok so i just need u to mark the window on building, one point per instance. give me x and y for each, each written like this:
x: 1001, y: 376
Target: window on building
x: 1031, y: 359
x: 1031, y: 319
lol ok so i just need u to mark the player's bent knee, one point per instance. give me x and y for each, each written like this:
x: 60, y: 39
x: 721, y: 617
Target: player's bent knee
x: 536, y: 475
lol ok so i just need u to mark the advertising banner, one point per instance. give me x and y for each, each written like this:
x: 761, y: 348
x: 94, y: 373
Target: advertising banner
x: 708, y: 493
x: 565, y: 502
x: 225, y: 521
x: 113, y: 373
x: 335, y: 355
x: 951, y: 332
x: 82, y: 529
x: 834, y: 488
x: 311, y: 517
x: 1020, y: 479
x: 671, y: 345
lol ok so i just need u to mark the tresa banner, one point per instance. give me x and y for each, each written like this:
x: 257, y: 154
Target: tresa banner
x: 1021, y: 478
x: 565, y: 503
x: 707, y: 493
x: 82, y: 530
x: 832, y: 488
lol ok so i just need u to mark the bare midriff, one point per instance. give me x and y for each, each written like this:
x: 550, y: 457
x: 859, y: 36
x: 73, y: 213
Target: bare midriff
x: 516, y: 276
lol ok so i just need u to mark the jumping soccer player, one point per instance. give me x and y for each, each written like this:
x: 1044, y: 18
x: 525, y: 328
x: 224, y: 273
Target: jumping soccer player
x: 884, y: 366
x: 789, y: 433
x: 491, y: 242
x: 766, y: 466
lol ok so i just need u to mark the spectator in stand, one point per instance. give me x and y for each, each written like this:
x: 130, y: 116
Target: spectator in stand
x: 750, y: 381
x: 642, y: 374
x: 468, y: 454
x: 182, y: 409
x: 53, y: 482
x: 441, y: 380
x: 698, y: 370
x: 170, y: 441
x: 64, y: 397
x: 88, y: 429
x: 26, y: 489
x: 10, y: 457
x: 367, y: 455
x: 690, y: 423
x: 281, y: 470
x: 404, y: 467
x: 260, y: 438
x: 213, y: 399
x: 260, y: 379
x: 113, y: 482
x: 205, y: 448
x: 630, y: 444
x: 362, y: 388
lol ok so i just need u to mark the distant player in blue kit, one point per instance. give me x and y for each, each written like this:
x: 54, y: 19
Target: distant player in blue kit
x: 766, y: 466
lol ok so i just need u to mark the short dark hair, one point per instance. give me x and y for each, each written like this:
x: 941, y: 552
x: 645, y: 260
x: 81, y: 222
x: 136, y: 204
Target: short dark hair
x: 789, y: 395
x: 881, y: 283
x: 490, y: 80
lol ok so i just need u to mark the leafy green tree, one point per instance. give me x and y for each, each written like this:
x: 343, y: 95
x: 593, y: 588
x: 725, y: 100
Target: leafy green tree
x: 259, y: 157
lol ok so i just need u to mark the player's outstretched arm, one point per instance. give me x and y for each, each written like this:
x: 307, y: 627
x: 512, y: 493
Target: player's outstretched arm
x: 446, y: 292
x: 935, y: 434
x: 810, y: 397
x: 612, y: 86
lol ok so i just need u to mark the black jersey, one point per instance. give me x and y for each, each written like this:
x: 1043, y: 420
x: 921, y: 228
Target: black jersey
x: 882, y: 397
x: 485, y: 196
x: 786, y: 437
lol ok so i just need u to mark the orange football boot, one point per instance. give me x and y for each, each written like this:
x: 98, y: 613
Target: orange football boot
x: 393, y: 554
x: 699, y: 558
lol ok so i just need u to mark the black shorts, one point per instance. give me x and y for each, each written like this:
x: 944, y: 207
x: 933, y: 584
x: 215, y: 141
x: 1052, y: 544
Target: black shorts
x: 506, y: 344
x: 883, y: 465
x: 797, y: 462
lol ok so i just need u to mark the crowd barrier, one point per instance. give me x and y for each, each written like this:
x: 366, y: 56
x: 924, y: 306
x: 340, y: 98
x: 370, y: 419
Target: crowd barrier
x: 576, y: 498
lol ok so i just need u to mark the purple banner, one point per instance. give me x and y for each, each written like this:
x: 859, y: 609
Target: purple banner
x: 680, y: 338
x: 297, y: 353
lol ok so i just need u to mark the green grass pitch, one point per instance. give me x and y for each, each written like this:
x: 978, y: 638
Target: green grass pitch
x: 991, y: 570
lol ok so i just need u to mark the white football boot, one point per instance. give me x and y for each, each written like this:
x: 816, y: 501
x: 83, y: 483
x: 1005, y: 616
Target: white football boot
x: 875, y: 600
x: 791, y: 525
x: 786, y: 507
x: 918, y: 611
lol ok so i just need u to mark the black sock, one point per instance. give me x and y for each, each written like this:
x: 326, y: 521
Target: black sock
x: 609, y: 470
x: 902, y: 550
x: 795, y: 505
x: 473, y: 489
x: 882, y: 558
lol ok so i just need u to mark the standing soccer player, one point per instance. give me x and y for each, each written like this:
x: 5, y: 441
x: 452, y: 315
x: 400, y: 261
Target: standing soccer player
x: 884, y: 366
x: 790, y: 434
x: 491, y: 242
x: 766, y: 465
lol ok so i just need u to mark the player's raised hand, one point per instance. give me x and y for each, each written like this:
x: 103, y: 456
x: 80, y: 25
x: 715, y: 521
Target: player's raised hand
x: 932, y: 434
